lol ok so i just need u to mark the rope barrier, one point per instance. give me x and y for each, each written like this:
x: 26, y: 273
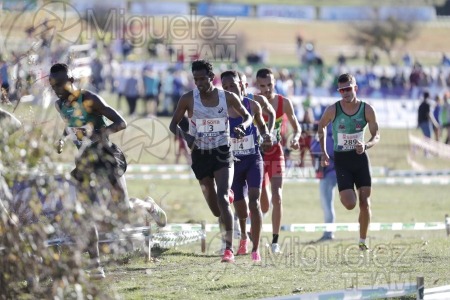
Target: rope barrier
x: 355, y: 227
x: 409, y: 173
x: 293, y: 174
x: 185, y: 234
x: 321, y: 227
x: 147, y: 168
x: 173, y: 239
x: 431, y: 146
x: 297, y: 180
x: 306, y: 172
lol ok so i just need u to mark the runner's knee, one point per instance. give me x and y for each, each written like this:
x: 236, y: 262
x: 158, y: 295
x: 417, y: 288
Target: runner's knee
x: 254, y: 207
x: 364, y: 203
x: 349, y: 203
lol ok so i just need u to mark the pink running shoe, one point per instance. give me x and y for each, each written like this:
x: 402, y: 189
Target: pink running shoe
x: 243, y: 247
x: 256, y: 257
x: 231, y: 196
x: 228, y: 256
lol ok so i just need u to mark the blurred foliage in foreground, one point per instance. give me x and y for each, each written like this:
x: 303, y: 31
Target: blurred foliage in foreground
x: 37, y: 206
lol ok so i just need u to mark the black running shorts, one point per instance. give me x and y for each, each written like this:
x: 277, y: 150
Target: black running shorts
x: 352, y: 170
x: 206, y: 162
x: 101, y: 159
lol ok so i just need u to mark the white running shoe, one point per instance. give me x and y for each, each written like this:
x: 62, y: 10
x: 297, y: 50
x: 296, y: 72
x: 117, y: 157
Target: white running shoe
x: 96, y: 273
x: 276, y: 248
x: 149, y: 205
x: 158, y: 214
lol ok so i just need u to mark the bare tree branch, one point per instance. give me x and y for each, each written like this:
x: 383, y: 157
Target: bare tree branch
x: 385, y: 35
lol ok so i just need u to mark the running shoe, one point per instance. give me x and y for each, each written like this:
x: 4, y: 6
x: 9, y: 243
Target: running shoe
x: 363, y: 247
x: 276, y: 248
x: 243, y: 247
x: 96, y: 273
x: 256, y: 257
x: 228, y: 256
x: 156, y: 212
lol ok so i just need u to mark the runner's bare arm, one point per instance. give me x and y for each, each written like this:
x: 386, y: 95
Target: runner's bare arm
x: 258, y: 118
x: 371, y: 118
x: 95, y: 104
x: 182, y: 107
x: 297, y: 130
x: 262, y: 127
x: 268, y: 110
x: 326, y: 118
x: 236, y: 103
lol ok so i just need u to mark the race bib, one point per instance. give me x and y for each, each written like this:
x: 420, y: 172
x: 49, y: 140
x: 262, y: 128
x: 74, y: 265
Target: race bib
x: 211, y: 127
x: 348, y: 141
x: 244, y: 146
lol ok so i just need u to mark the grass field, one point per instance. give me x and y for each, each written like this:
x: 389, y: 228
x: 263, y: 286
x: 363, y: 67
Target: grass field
x: 183, y: 274
x: 301, y: 202
x: 186, y: 273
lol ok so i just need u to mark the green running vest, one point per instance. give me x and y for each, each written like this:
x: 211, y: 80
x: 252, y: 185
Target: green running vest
x: 348, y: 130
x: 79, y: 122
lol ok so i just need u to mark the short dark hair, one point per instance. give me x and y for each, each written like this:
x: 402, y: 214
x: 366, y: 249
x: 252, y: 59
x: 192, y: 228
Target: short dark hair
x: 201, y: 64
x: 230, y: 73
x: 59, y: 67
x: 346, y: 77
x: 426, y: 95
x: 263, y: 73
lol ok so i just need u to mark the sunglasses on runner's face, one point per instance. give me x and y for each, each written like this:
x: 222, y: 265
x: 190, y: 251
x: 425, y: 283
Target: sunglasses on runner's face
x: 346, y: 89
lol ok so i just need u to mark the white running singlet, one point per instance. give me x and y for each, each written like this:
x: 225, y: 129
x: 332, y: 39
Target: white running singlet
x: 209, y: 125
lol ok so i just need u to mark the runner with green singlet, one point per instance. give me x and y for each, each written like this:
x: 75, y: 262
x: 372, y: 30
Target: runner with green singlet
x: 350, y: 116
